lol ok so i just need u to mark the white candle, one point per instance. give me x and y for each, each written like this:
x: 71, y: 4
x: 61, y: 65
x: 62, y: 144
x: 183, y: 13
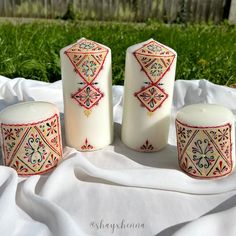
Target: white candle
x: 205, y: 140
x: 31, y: 137
x: 87, y: 89
x: 149, y: 80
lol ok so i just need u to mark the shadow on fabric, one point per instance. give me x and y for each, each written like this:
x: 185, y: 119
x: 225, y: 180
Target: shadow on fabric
x: 165, y: 158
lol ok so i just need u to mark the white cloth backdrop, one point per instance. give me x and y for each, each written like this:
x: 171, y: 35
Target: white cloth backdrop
x: 116, y: 191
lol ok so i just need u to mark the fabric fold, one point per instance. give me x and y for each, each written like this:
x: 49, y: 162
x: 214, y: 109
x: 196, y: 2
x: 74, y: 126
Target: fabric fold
x: 108, y: 191
x: 56, y: 219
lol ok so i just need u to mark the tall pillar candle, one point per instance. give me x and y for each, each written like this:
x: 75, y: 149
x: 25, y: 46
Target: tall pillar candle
x: 87, y: 89
x: 31, y: 137
x: 205, y: 140
x: 149, y: 81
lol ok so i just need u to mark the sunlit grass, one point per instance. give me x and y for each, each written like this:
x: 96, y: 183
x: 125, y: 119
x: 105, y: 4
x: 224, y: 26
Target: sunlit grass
x: 31, y: 50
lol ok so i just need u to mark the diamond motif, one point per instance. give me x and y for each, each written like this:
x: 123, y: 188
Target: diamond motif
x: 205, y: 151
x: 32, y: 148
x: 87, y: 57
x: 88, y: 96
x: 151, y: 97
x: 154, y: 67
x: 155, y: 60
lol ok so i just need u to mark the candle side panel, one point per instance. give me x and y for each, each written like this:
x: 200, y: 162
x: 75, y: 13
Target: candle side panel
x: 140, y: 127
x: 206, y: 151
x: 32, y: 148
x: 88, y: 129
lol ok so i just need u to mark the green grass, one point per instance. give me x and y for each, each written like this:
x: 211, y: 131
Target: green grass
x: 31, y: 50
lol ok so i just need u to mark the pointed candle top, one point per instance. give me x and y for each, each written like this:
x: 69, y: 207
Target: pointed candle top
x: 153, y: 48
x: 87, y: 57
x: 154, y: 58
x: 84, y: 45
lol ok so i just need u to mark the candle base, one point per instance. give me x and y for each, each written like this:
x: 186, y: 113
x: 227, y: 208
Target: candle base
x: 146, y: 147
x: 88, y: 147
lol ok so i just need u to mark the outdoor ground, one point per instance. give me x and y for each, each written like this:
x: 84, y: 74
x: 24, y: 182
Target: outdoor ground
x: 30, y: 49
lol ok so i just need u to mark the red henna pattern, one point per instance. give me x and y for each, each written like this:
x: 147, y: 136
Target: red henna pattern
x: 155, y: 60
x: 204, y: 152
x: 29, y: 148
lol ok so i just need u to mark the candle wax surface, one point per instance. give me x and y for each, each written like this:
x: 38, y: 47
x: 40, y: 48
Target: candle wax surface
x: 148, y: 91
x: 205, y: 115
x: 27, y: 112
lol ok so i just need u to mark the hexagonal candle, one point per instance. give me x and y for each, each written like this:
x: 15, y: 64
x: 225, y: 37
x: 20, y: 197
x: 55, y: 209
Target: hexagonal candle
x: 205, y: 140
x: 87, y: 90
x: 149, y: 81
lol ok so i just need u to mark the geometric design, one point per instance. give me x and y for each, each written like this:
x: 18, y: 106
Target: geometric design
x: 154, y: 67
x: 204, y: 152
x: 155, y: 60
x: 88, y: 65
x: 151, y: 97
x: 32, y: 148
x: 87, y: 58
x: 88, y: 96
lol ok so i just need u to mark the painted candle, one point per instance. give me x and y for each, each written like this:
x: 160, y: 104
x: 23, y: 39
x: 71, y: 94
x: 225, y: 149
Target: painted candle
x: 149, y: 81
x: 31, y: 137
x: 205, y: 140
x: 87, y: 90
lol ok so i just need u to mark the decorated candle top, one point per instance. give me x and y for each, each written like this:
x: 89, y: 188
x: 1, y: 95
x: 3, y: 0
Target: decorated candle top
x: 84, y: 51
x: 151, y: 48
x: 157, y: 63
x: 205, y: 115
x: 87, y: 91
x: 27, y: 112
x: 149, y: 81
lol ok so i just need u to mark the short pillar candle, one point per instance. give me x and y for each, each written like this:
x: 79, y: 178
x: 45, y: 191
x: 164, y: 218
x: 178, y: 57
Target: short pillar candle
x: 149, y: 81
x: 205, y: 140
x: 31, y: 137
x: 87, y: 89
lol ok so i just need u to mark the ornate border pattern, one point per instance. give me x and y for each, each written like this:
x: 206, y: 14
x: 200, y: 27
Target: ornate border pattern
x: 87, y: 58
x: 33, y: 148
x: 204, y: 152
x: 155, y: 60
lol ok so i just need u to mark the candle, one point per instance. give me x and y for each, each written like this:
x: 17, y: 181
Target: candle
x: 87, y: 89
x: 149, y: 80
x: 31, y: 137
x: 205, y: 140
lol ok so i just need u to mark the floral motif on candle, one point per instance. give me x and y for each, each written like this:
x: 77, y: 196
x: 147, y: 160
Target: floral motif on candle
x: 88, y: 96
x: 32, y: 148
x: 88, y: 58
x: 86, y: 146
x: 155, y: 60
x: 147, y: 147
x: 204, y: 151
x: 151, y: 97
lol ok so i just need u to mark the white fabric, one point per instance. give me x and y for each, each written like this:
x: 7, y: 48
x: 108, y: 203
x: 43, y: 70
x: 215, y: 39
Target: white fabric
x: 116, y: 191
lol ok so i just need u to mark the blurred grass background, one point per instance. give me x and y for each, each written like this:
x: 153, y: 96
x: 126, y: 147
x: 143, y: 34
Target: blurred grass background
x: 31, y: 49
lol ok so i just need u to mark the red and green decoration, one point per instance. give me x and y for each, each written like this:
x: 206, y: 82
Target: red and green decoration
x: 204, y: 152
x: 155, y: 60
x: 32, y: 148
x: 87, y: 58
